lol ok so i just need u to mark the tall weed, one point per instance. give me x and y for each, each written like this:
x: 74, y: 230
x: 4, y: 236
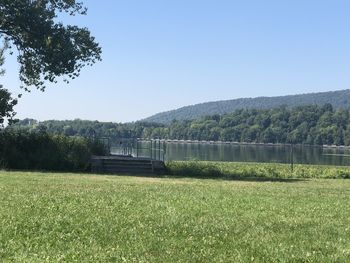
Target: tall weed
x: 262, y: 170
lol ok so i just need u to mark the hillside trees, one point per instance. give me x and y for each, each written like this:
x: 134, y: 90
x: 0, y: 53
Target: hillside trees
x: 339, y: 100
x: 310, y: 124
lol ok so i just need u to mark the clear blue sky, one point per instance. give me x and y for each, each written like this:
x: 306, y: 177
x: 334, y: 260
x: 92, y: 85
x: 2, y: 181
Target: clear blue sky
x: 161, y: 55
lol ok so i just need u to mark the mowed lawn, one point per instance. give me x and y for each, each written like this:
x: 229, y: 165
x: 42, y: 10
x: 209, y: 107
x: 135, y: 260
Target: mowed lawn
x: 52, y: 217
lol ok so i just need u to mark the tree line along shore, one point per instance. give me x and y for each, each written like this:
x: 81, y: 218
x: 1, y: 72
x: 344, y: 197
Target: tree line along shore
x: 309, y: 125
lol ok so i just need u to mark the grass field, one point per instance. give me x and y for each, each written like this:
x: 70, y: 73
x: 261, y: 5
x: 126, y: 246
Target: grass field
x: 47, y: 217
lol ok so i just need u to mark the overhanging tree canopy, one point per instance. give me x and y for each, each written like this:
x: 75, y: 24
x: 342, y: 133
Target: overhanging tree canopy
x: 47, y: 49
x: 6, y: 101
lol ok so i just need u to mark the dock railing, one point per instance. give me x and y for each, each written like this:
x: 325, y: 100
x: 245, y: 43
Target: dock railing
x: 154, y: 149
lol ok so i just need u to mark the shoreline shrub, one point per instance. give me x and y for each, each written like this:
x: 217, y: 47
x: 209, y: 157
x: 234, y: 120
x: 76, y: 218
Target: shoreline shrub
x: 23, y: 150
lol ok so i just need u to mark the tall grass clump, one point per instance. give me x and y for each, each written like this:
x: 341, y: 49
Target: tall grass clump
x: 256, y: 170
x: 25, y: 150
x: 194, y: 169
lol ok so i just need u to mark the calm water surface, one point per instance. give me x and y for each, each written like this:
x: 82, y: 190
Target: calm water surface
x: 257, y: 153
x: 248, y: 153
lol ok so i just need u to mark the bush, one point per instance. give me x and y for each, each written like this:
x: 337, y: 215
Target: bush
x: 41, y: 151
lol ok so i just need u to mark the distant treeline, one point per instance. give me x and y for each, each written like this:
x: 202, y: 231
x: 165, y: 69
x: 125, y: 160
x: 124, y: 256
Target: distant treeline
x: 84, y: 128
x: 304, y: 124
x: 340, y: 99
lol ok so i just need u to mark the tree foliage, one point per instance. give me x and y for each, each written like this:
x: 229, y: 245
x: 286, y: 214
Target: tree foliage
x: 47, y: 49
x: 6, y: 106
x: 6, y: 101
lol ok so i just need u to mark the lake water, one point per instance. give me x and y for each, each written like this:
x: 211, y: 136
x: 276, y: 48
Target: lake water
x: 245, y: 153
x: 257, y: 153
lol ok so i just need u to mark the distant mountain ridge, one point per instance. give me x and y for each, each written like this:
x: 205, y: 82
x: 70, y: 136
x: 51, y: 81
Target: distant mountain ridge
x: 338, y: 99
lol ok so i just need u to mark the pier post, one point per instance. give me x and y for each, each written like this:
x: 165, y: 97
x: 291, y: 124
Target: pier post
x: 292, y: 157
x: 137, y: 148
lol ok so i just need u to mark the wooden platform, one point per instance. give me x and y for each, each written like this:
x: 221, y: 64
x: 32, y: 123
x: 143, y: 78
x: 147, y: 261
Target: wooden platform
x: 126, y: 164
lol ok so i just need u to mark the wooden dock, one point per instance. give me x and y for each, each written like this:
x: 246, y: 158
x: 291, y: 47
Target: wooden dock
x: 126, y: 165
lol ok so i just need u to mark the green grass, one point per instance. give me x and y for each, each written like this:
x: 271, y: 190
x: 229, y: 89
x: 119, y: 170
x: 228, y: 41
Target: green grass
x: 235, y: 170
x: 52, y: 217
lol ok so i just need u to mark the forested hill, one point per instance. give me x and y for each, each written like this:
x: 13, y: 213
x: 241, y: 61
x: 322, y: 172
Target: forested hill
x: 303, y: 124
x: 338, y: 99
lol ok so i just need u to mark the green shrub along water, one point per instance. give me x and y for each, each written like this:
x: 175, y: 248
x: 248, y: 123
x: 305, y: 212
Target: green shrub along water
x: 258, y: 170
x: 41, y: 151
